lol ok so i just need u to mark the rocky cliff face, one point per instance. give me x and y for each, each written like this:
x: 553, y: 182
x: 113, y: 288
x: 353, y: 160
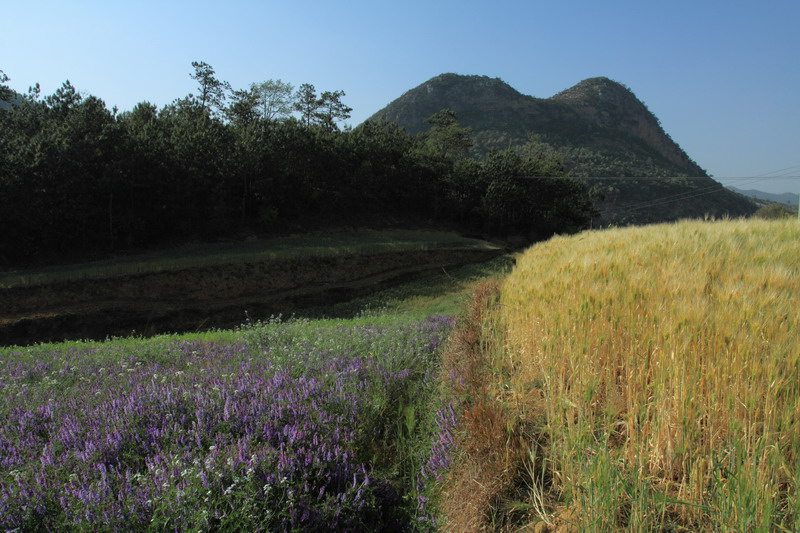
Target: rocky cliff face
x: 478, y: 100
x: 612, y: 105
x: 600, y: 127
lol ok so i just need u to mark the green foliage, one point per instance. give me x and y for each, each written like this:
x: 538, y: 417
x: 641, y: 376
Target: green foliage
x: 5, y: 92
x: 446, y: 137
x: 243, y: 109
x: 324, y: 110
x: 61, y: 164
x: 211, y: 91
x: 773, y: 211
x: 306, y: 103
x: 331, y: 109
x: 275, y: 99
x: 522, y: 191
x: 79, y: 180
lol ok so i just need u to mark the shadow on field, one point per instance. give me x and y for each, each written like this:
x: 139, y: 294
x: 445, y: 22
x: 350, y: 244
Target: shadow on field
x: 217, y: 296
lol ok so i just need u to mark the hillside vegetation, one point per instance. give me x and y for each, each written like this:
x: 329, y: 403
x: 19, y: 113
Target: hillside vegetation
x: 640, y: 379
x: 598, y: 126
x: 597, y: 114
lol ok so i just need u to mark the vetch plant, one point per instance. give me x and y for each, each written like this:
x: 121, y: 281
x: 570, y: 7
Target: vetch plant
x: 276, y: 433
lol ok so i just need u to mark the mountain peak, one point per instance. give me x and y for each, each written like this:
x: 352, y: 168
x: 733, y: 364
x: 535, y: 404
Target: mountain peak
x: 600, y: 89
x: 468, y: 86
x: 450, y: 78
x: 470, y: 96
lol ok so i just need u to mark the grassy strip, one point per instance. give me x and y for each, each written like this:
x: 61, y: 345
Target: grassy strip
x: 443, y: 294
x: 330, y: 245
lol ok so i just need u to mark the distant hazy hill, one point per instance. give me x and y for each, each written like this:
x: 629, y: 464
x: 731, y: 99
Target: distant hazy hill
x: 783, y: 198
x: 599, y: 126
x: 7, y: 104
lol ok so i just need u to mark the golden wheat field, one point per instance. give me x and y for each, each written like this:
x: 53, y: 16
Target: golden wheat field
x: 655, y: 375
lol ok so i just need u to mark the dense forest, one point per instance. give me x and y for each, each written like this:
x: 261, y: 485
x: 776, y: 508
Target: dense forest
x: 80, y: 180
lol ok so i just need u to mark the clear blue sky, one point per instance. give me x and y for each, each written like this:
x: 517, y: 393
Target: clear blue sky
x: 723, y: 76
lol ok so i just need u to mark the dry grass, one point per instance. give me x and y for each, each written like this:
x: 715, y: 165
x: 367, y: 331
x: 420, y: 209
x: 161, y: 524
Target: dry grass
x: 489, y: 446
x: 656, y: 373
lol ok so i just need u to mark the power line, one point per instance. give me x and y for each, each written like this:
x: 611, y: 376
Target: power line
x: 766, y: 175
x: 671, y: 199
x: 686, y: 195
x: 789, y: 173
x: 780, y: 170
x: 662, y: 178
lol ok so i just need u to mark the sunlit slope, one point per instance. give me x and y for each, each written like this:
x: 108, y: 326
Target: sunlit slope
x: 662, y: 365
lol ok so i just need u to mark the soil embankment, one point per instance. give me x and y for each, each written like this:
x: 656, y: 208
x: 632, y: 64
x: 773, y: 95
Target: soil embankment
x: 213, y: 296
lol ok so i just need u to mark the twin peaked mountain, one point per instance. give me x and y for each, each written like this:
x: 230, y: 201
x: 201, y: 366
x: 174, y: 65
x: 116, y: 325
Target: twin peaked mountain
x: 600, y: 128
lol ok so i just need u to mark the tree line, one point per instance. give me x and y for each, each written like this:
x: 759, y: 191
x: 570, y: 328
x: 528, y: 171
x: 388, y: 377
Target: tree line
x: 77, y: 178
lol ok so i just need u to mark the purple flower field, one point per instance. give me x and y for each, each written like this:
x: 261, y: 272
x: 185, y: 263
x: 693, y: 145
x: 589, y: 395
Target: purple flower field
x: 285, y: 426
